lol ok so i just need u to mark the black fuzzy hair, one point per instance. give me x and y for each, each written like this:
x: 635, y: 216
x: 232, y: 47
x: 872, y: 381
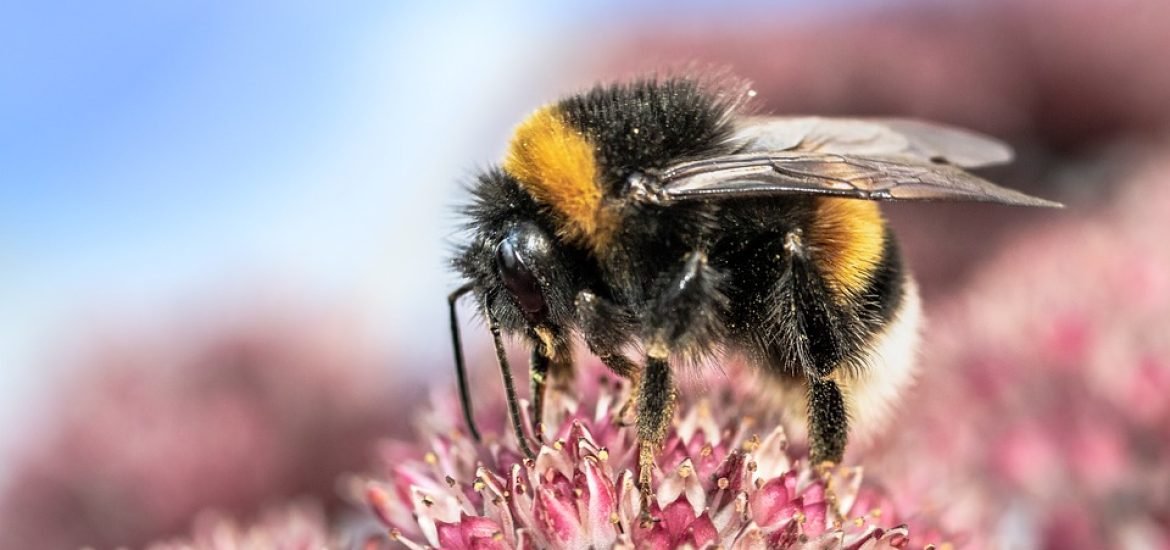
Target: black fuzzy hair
x: 651, y: 123
x: 499, y: 204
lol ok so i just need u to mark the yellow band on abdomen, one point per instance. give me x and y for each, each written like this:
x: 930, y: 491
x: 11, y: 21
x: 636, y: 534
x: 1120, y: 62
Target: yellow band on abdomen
x: 847, y: 239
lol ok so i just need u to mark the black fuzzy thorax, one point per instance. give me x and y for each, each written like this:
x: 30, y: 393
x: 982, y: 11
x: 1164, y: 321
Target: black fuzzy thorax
x: 650, y: 124
x: 641, y: 127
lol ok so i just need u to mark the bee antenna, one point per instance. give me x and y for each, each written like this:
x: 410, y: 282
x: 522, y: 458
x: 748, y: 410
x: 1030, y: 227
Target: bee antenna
x: 460, y: 369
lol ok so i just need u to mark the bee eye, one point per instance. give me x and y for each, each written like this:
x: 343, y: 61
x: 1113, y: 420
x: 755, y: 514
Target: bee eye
x: 518, y: 278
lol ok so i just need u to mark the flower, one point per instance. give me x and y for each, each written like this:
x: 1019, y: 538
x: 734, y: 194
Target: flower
x: 717, y: 484
x: 297, y: 526
x: 1044, y: 407
x: 158, y: 424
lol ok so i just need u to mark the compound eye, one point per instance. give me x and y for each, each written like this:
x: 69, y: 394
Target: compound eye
x: 519, y: 279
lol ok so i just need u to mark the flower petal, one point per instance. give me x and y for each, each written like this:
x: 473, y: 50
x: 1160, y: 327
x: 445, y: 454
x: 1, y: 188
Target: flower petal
x: 522, y: 499
x: 654, y: 537
x: 600, y: 503
x: 683, y: 482
x: 702, y: 531
x: 481, y: 533
x: 772, y: 506
x: 432, y: 509
x: 677, y: 517
x: 557, y: 514
x: 629, y: 502
x: 833, y: 540
x: 752, y: 538
x: 699, y: 420
x: 386, y: 507
x: 815, y: 518
x: 845, y: 484
x: 449, y: 535
x: 772, y: 456
x: 495, y: 501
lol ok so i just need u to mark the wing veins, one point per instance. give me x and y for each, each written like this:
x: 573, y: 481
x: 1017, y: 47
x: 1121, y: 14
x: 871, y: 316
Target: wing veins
x: 795, y: 172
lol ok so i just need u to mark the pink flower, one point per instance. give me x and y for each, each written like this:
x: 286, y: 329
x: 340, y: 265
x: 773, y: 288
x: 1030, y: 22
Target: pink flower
x: 298, y: 526
x: 158, y: 424
x: 1044, y: 407
x: 718, y: 484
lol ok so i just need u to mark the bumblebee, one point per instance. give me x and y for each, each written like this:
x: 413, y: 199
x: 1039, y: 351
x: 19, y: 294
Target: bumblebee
x: 659, y: 216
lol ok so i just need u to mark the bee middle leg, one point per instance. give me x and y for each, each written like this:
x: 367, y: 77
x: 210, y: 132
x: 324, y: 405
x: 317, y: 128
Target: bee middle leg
x: 655, y: 407
x: 684, y: 317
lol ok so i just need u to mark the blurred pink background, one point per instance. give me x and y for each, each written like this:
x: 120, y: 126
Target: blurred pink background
x: 223, y: 228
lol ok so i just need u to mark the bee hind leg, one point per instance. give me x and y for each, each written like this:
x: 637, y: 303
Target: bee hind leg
x: 828, y: 428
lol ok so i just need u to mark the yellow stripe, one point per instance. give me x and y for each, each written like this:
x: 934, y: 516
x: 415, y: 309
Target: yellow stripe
x: 847, y: 239
x: 554, y: 163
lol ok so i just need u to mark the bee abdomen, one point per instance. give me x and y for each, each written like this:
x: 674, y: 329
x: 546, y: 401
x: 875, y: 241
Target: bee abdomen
x: 846, y: 237
x: 888, y: 362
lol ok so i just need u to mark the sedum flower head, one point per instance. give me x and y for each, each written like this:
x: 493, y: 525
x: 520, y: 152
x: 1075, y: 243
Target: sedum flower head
x: 296, y: 526
x: 717, y: 485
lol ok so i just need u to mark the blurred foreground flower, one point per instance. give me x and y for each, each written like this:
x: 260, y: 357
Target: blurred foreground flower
x: 231, y: 413
x: 299, y: 526
x: 718, y: 485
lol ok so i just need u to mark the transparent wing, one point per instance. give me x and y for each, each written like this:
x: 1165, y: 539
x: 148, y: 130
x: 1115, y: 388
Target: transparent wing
x: 796, y: 172
x: 894, y: 138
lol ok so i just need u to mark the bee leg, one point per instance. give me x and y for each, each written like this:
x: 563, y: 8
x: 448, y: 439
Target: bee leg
x: 656, y: 402
x: 684, y: 316
x: 551, y: 361
x: 828, y: 423
x: 606, y: 327
x: 814, y: 335
x: 623, y: 414
x: 622, y: 366
x: 538, y: 372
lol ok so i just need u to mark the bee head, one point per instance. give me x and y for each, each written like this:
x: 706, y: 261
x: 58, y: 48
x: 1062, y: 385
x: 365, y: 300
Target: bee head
x: 522, y: 274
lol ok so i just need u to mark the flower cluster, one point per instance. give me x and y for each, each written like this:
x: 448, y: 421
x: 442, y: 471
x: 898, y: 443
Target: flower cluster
x: 298, y: 526
x: 718, y: 484
x: 1044, y: 401
x: 155, y: 425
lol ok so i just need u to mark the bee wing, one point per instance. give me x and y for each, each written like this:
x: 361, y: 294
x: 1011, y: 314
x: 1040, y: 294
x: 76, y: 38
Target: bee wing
x: 895, y: 138
x: 802, y: 173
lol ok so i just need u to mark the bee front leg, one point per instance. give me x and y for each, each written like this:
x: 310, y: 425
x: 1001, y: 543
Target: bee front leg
x: 538, y: 369
x: 551, y: 359
x: 607, y: 328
